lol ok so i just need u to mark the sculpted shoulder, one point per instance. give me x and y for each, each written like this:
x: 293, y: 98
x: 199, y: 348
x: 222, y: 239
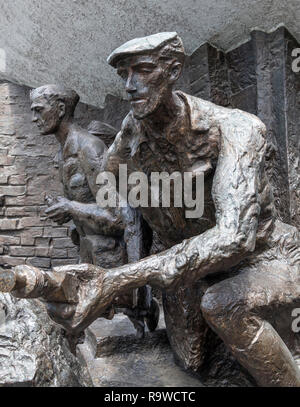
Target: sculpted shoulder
x: 235, y: 125
x: 245, y: 130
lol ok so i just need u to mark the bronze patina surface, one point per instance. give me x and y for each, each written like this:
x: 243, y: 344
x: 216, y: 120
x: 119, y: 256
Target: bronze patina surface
x: 235, y: 269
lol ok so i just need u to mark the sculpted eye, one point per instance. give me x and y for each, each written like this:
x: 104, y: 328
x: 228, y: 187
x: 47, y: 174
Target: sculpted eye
x: 123, y: 74
x: 145, y: 69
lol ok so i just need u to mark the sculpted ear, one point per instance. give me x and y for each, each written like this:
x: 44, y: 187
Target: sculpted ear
x: 61, y: 109
x: 175, y: 71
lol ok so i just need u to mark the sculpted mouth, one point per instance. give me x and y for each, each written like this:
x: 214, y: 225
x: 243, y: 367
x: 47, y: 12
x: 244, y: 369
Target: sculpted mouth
x: 138, y: 100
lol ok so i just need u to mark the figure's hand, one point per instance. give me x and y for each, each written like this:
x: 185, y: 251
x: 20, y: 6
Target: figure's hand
x: 74, y: 295
x: 60, y: 211
x: 95, y: 296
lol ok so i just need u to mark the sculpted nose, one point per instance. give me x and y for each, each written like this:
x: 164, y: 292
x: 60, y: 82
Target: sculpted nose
x: 130, y: 85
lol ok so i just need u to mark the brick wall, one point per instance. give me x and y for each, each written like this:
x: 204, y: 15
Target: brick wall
x: 26, y: 173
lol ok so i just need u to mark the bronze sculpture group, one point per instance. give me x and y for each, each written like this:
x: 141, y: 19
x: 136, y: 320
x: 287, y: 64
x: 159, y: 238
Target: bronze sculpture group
x: 232, y: 270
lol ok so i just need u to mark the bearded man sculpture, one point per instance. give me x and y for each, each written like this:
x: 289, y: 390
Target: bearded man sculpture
x: 236, y: 268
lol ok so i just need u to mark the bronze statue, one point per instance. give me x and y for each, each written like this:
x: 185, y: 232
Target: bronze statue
x: 100, y: 232
x: 235, y: 268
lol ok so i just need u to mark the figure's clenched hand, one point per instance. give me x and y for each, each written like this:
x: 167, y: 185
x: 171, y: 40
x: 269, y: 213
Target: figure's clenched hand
x: 95, y: 295
x: 60, y: 211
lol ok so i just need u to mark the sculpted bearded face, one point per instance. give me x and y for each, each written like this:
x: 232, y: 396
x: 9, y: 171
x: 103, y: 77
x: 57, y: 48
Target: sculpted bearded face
x: 149, y: 80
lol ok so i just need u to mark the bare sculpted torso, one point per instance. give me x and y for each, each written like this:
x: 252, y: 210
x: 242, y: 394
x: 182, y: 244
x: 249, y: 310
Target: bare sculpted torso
x: 80, y: 163
x: 78, y: 180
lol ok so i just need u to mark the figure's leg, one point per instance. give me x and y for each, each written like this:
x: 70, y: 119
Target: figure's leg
x: 186, y: 328
x: 241, y: 310
x: 148, y: 306
x: 143, y: 309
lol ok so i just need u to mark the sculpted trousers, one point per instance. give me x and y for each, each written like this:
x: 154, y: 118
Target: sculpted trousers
x: 251, y: 312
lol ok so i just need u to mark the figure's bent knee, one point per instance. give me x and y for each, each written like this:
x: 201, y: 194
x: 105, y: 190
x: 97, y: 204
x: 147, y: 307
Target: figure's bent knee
x: 221, y: 304
x: 211, y: 305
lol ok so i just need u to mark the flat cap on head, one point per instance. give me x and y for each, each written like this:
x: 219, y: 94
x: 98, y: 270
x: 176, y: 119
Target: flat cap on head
x: 143, y: 45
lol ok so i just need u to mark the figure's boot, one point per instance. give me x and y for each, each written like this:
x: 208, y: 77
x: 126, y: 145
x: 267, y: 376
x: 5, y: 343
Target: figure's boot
x: 147, y: 310
x: 187, y: 330
x: 139, y: 324
x: 128, y: 305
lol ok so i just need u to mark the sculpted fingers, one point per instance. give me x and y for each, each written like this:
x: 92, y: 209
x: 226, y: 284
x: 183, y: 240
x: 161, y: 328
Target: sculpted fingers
x: 53, y: 210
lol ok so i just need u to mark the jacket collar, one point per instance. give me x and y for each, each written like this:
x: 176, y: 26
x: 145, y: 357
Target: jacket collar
x: 198, y: 111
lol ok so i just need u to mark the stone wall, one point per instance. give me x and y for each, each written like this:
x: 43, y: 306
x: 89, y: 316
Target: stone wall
x: 34, y: 352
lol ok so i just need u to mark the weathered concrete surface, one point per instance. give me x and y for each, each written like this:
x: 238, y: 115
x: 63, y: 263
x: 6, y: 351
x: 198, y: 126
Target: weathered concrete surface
x: 113, y: 356
x: 68, y: 42
x: 33, y: 352
x: 151, y: 365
